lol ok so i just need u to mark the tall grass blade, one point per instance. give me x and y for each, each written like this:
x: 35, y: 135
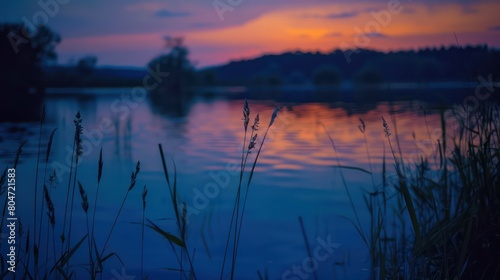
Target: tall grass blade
x: 49, y: 145
x: 165, y: 169
x: 402, y: 183
x: 18, y: 154
x: 165, y: 234
x: 308, y: 247
x: 353, y: 168
x: 64, y: 259
x: 99, y: 169
x: 238, y: 228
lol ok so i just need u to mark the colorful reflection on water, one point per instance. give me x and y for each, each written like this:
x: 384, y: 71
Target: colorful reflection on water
x: 297, y: 175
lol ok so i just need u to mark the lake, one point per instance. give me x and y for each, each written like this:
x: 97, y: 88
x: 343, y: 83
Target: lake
x: 297, y: 175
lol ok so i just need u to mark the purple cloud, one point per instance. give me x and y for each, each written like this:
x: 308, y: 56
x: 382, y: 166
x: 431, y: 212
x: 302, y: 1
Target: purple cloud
x: 202, y: 24
x: 332, y: 16
x: 376, y: 35
x: 167, y: 13
x: 342, y: 15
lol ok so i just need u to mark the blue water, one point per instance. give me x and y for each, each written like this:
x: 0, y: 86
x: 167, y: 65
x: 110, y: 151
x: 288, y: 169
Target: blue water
x: 296, y: 175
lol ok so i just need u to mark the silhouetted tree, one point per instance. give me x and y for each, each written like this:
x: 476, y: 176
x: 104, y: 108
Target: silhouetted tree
x: 86, y: 65
x: 176, y: 62
x: 22, y: 57
x: 173, y: 92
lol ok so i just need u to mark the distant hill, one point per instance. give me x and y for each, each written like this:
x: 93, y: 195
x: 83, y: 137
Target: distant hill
x: 308, y: 68
x: 425, y: 65
x: 70, y: 76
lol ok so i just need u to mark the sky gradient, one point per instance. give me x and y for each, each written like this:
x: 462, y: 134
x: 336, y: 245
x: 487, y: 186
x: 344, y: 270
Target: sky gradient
x: 131, y: 32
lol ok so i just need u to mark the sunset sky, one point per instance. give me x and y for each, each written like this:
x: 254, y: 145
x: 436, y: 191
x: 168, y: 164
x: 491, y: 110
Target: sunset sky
x: 131, y: 32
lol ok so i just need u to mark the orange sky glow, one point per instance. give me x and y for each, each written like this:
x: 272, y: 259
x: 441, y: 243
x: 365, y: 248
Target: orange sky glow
x: 308, y: 27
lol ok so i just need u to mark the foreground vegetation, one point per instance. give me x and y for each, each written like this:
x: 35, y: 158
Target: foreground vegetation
x: 443, y: 219
x: 50, y: 257
x: 437, y: 218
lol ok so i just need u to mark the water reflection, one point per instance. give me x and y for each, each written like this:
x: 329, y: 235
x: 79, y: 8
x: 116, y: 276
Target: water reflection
x: 296, y: 174
x: 298, y: 139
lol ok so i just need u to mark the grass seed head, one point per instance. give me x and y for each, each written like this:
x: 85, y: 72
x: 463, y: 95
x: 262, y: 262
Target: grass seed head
x: 184, y: 220
x: 85, y: 200
x: 144, y: 194
x: 362, y: 126
x: 50, y: 208
x: 53, y: 180
x: 386, y: 128
x: 78, y: 134
x: 99, y: 170
x: 133, y: 177
x: 246, y: 114
x: 275, y: 115
x: 255, y: 126
x: 252, y: 143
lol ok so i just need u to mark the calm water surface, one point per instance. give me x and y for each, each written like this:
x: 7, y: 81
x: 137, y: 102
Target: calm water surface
x: 296, y: 176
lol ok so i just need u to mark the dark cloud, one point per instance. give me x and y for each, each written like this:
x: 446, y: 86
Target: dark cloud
x: 376, y: 35
x: 167, y: 13
x: 332, y: 16
x: 495, y: 28
x: 202, y: 24
x: 342, y: 15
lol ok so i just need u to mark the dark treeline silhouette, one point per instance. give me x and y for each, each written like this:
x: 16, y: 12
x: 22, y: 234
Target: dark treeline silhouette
x: 442, y: 64
x: 425, y: 65
x: 83, y: 74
